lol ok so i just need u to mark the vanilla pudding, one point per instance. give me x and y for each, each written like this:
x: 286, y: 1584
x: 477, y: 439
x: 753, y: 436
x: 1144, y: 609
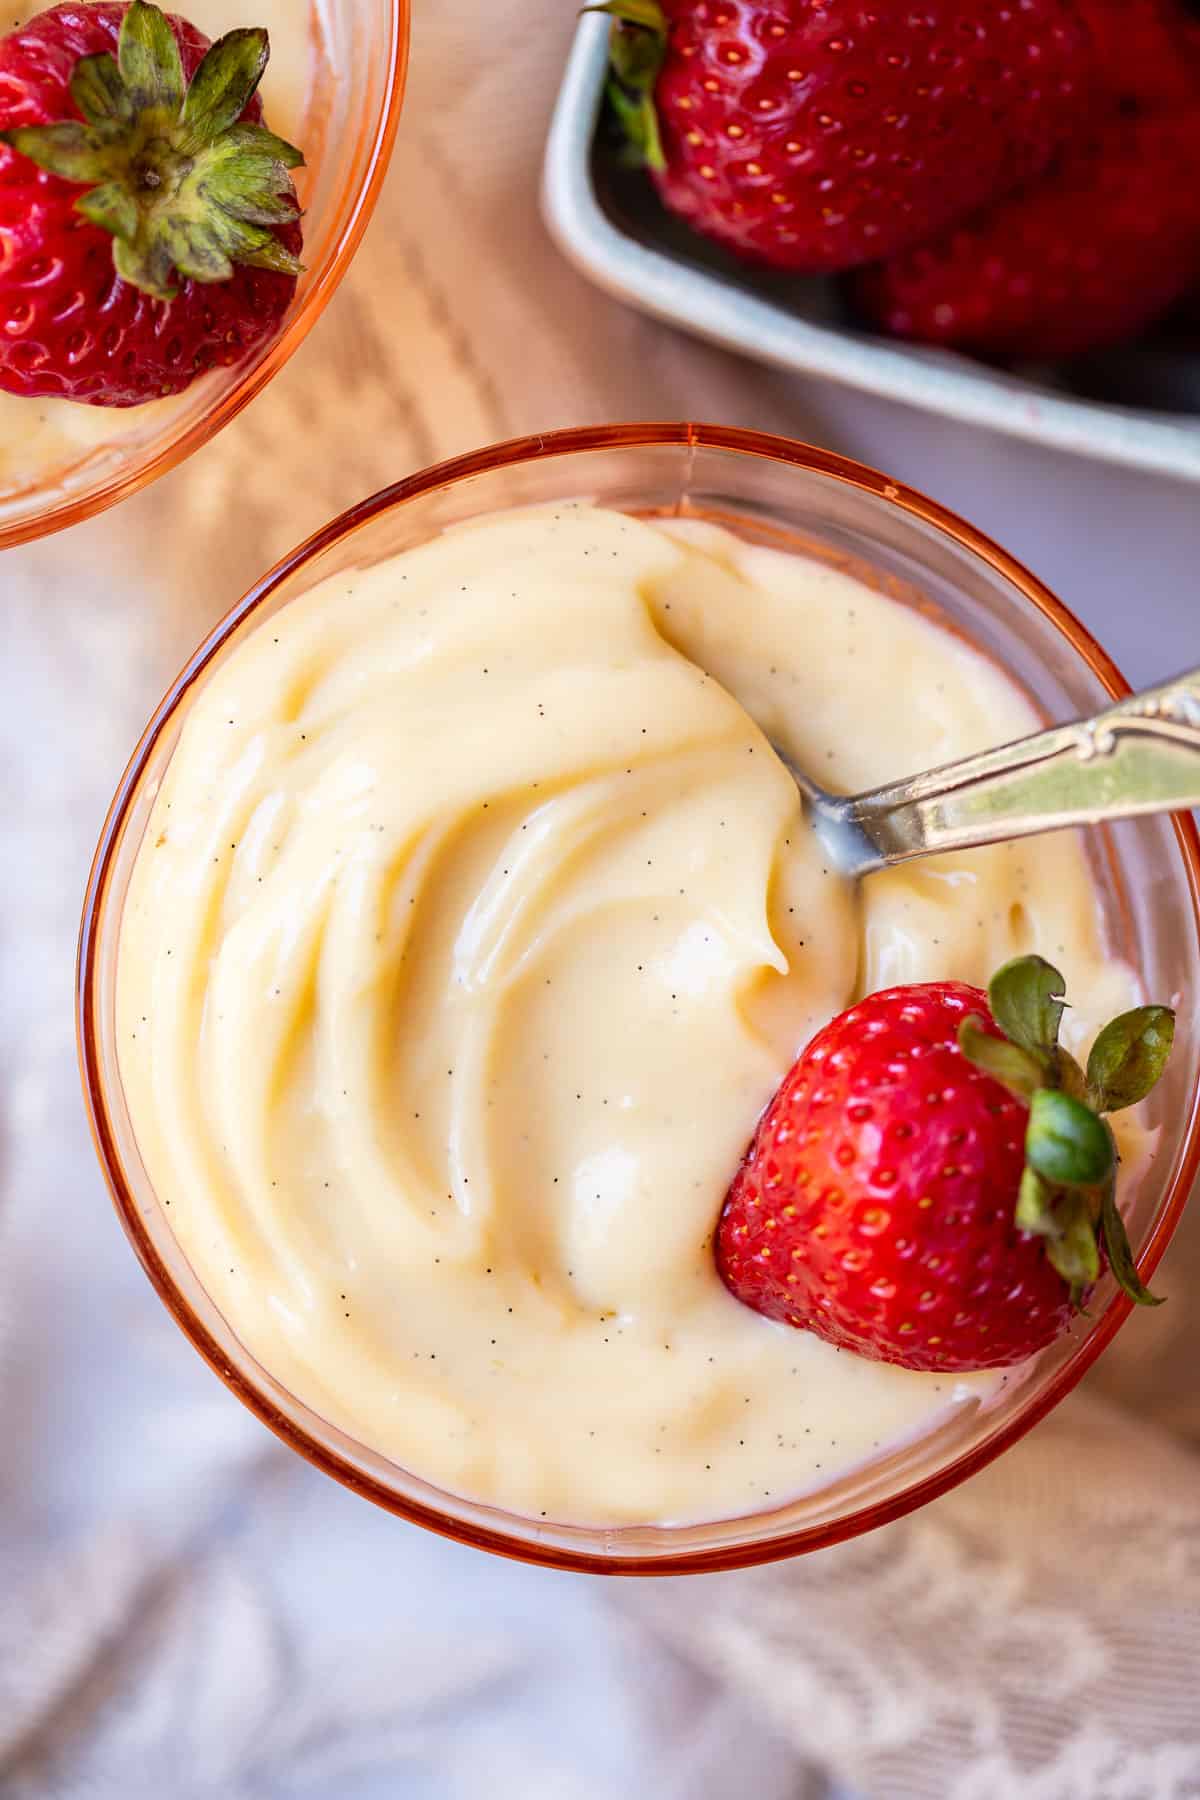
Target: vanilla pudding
x: 475, y: 923
x: 41, y: 437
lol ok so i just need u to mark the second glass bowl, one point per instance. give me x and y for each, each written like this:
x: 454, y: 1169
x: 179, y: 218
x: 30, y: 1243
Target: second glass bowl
x: 774, y: 491
x: 358, y: 52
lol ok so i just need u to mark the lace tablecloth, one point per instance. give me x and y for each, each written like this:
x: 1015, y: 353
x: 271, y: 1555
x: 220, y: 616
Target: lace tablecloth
x: 185, y: 1610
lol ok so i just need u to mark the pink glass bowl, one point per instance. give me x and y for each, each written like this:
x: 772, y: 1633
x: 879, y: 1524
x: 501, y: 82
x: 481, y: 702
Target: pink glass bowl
x: 772, y: 490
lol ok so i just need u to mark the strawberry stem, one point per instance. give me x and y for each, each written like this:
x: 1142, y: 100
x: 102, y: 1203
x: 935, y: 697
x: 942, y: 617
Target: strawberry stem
x: 637, y: 49
x: 1118, y: 1251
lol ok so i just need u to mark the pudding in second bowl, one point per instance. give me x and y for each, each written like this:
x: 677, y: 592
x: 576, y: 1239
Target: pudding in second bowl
x: 474, y: 924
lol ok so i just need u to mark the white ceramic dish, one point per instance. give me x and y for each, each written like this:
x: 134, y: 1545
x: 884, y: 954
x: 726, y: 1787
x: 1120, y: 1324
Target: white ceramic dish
x: 611, y: 227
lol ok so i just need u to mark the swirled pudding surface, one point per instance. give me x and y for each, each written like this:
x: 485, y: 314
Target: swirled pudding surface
x: 475, y: 923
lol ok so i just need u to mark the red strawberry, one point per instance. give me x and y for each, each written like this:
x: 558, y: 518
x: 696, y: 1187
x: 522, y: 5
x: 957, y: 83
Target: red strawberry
x: 181, y: 254
x: 927, y: 1191
x: 1146, y: 51
x: 819, y: 134
x: 1091, y: 254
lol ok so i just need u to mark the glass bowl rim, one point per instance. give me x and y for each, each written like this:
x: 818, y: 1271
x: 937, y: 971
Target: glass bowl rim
x: 263, y: 367
x: 511, y: 452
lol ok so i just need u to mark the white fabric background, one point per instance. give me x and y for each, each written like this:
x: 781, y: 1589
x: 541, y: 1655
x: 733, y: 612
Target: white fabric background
x: 187, y: 1611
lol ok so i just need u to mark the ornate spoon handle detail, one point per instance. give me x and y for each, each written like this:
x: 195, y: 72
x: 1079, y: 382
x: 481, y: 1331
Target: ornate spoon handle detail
x: 1140, y: 756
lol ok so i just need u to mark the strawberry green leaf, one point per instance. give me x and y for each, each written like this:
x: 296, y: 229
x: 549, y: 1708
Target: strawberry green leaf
x: 112, y: 207
x: 1026, y: 1001
x: 1063, y: 1216
x: 223, y: 86
x: 1119, y: 1253
x: 1020, y: 1072
x: 99, y: 92
x: 265, y: 209
x: 256, y: 140
x: 242, y: 179
x: 149, y: 62
x: 70, y: 150
x: 271, y: 254
x: 1129, y: 1056
x: 1071, y: 1078
x: 1072, y: 1249
x: 639, y: 127
x: 196, y: 252
x: 1066, y: 1143
x: 145, y: 266
x: 1035, y: 1205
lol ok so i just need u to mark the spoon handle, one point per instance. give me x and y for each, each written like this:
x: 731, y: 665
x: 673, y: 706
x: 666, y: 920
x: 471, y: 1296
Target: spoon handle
x: 1140, y: 756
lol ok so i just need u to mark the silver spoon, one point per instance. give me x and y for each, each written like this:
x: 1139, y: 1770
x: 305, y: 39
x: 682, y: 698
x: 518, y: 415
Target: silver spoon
x: 1140, y: 756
